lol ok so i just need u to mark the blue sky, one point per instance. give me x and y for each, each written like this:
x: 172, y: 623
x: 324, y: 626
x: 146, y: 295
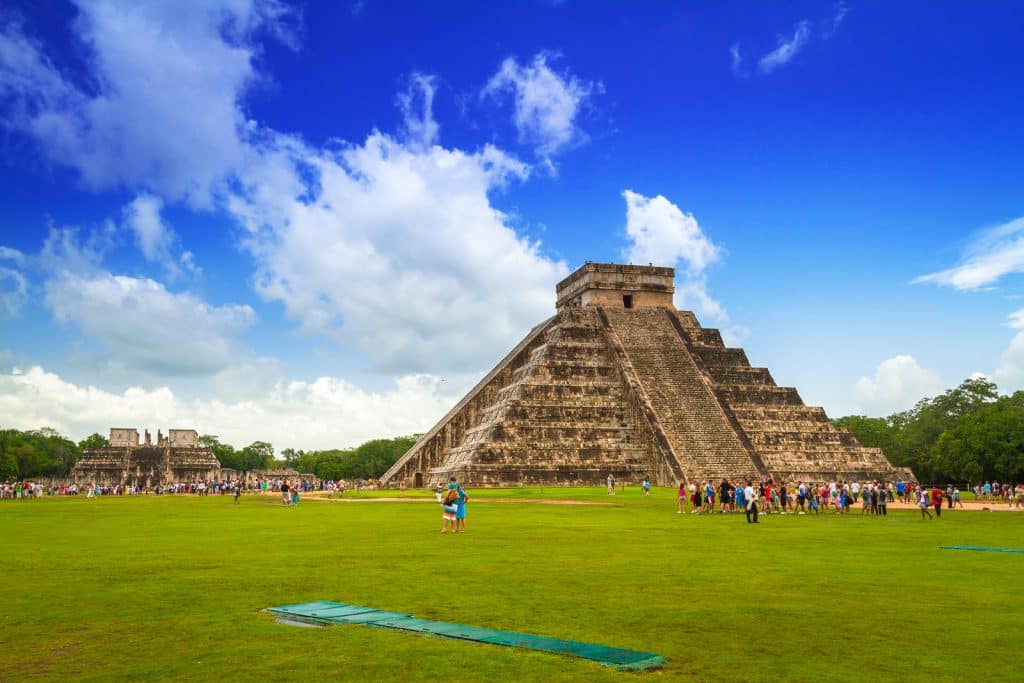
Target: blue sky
x: 319, y: 223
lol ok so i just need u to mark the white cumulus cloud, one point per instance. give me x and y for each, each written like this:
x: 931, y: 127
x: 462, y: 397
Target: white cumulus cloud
x: 324, y: 413
x: 396, y: 249
x: 165, y: 113
x: 661, y: 233
x: 898, y: 383
x: 547, y: 103
x: 140, y: 322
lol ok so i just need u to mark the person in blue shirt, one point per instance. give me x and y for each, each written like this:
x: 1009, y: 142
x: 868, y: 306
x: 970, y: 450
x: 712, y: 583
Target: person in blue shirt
x: 460, y: 507
x: 740, y: 500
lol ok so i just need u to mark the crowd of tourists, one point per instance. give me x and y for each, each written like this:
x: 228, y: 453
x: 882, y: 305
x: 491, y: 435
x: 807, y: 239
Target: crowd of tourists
x: 838, y: 497
x: 26, y: 489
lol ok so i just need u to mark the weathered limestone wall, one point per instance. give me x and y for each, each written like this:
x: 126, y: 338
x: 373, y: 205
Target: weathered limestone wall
x: 145, y: 466
x: 124, y: 438
x: 432, y: 447
x: 605, y: 284
x: 183, y: 438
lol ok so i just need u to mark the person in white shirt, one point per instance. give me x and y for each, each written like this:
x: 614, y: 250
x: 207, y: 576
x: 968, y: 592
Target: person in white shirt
x: 750, y: 495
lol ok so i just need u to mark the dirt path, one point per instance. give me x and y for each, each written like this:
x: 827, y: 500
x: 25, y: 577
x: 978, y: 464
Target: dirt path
x: 476, y: 501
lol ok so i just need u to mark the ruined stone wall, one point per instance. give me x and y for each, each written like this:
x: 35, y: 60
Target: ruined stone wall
x: 183, y: 438
x: 123, y: 438
x: 145, y: 466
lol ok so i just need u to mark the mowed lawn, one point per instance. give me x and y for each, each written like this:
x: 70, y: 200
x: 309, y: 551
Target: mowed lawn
x: 174, y: 587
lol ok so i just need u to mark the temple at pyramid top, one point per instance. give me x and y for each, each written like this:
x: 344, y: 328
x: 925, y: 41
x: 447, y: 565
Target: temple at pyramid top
x: 617, y: 286
x: 619, y: 382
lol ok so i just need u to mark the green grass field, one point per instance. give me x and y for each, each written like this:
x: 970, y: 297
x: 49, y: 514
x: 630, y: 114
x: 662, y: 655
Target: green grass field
x: 174, y: 587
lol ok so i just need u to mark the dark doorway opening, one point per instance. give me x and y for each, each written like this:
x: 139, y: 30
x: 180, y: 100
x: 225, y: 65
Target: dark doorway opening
x: 627, y: 300
x: 417, y: 480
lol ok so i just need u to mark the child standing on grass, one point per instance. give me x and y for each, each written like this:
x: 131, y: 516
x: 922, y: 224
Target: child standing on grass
x: 682, y: 498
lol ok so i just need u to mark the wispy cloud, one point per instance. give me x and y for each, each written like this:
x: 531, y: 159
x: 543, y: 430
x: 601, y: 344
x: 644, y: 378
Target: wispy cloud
x: 832, y: 25
x: 790, y: 45
x: 737, y: 60
x: 156, y: 240
x: 13, y: 285
x: 996, y: 252
x: 417, y: 105
x: 788, y: 48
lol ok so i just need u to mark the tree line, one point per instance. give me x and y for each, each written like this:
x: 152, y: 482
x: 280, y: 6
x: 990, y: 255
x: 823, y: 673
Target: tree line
x: 968, y: 434
x: 46, y: 453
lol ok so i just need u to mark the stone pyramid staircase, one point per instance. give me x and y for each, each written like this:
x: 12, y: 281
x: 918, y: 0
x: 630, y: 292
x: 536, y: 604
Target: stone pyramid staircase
x: 699, y: 432
x: 562, y: 417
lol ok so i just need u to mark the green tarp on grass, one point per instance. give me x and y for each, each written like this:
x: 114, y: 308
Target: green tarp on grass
x: 983, y: 548
x: 326, y: 612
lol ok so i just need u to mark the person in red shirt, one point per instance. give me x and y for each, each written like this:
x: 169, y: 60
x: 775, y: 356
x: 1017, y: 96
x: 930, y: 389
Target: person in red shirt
x: 937, y: 501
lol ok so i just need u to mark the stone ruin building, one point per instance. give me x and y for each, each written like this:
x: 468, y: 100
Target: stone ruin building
x: 620, y: 382
x: 174, y: 458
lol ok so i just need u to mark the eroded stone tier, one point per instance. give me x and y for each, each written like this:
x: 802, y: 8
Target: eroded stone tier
x: 562, y: 418
x: 619, y: 382
x: 793, y: 441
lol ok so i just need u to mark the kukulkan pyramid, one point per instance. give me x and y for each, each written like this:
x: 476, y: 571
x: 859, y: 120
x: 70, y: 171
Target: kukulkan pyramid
x: 620, y: 382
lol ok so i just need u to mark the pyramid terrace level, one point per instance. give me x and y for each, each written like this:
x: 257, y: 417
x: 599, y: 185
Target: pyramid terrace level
x: 620, y: 382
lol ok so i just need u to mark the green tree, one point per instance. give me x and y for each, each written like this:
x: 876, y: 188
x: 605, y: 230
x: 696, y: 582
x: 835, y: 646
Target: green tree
x: 257, y: 456
x: 225, y: 453
x: 987, y: 443
x: 94, y: 440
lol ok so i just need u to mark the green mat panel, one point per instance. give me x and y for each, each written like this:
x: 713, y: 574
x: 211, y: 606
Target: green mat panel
x: 327, y: 612
x: 983, y: 548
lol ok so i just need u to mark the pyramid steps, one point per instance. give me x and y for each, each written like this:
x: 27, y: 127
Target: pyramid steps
x: 619, y: 382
